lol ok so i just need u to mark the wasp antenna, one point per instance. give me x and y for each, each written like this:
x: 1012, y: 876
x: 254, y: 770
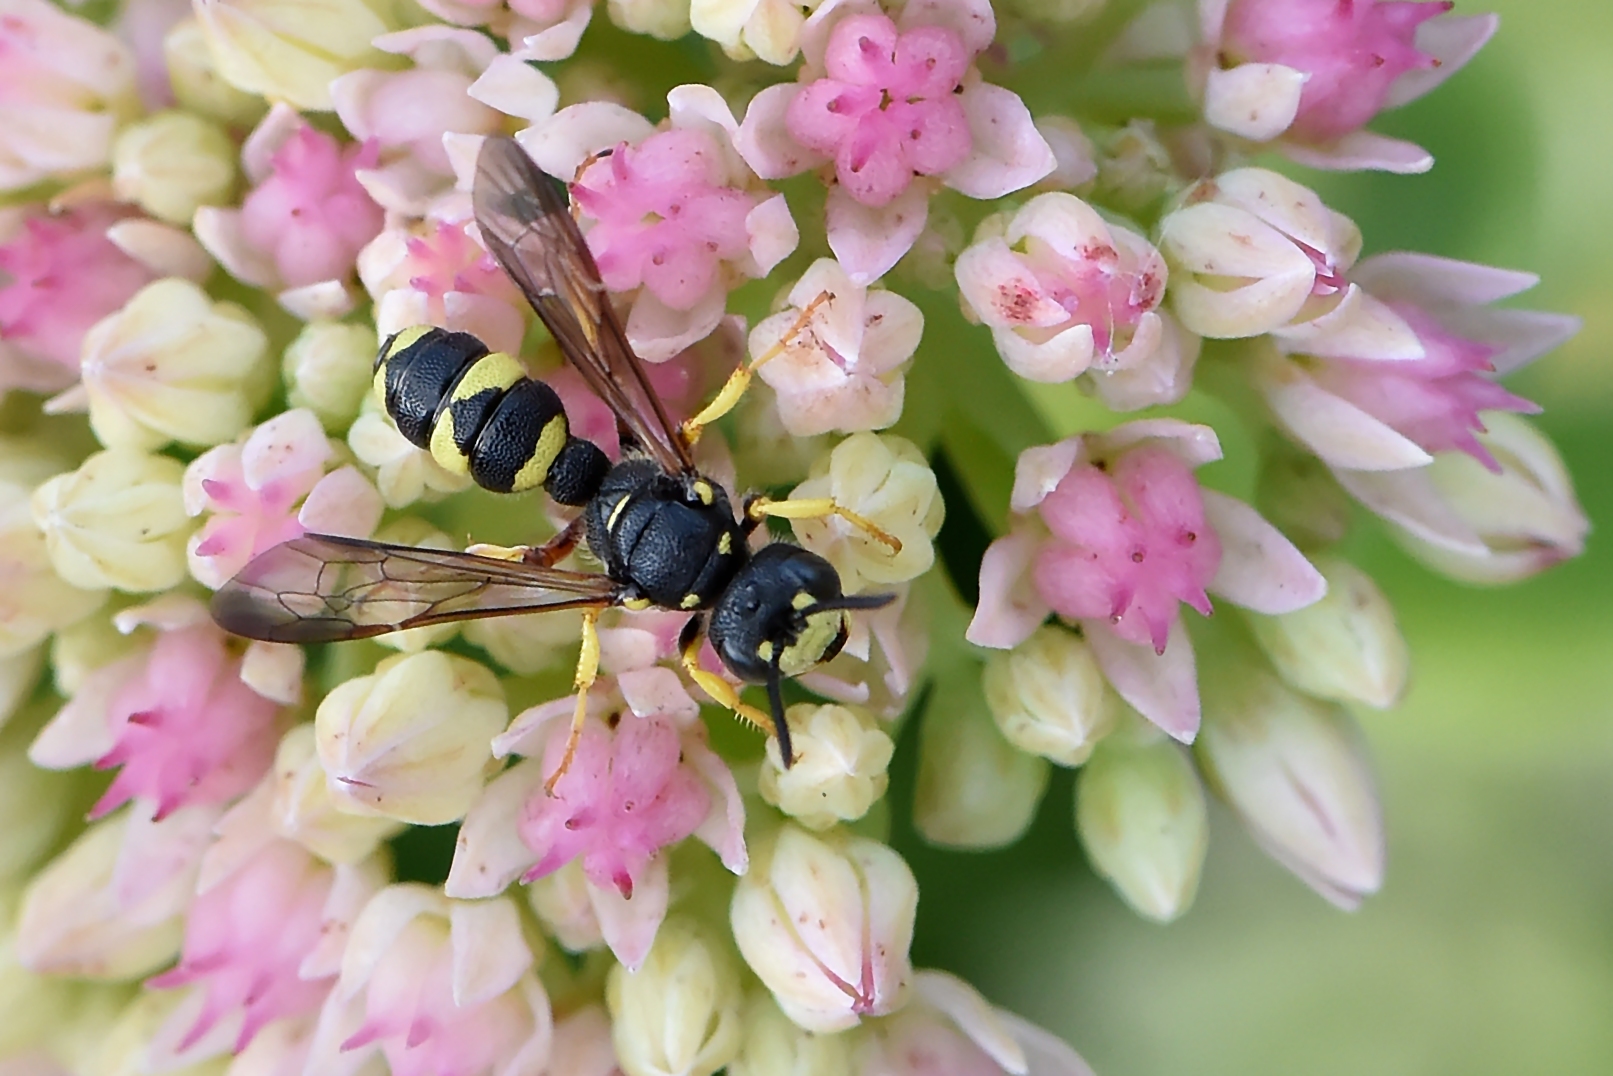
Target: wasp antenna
x: 852, y: 601
x: 775, y: 703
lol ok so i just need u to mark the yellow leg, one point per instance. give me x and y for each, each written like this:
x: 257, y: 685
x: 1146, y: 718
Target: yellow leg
x: 734, y: 388
x: 721, y: 691
x: 816, y: 507
x: 587, y: 670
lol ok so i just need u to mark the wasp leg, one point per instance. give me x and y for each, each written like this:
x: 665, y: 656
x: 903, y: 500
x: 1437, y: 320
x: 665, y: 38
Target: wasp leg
x: 587, y: 670
x: 721, y: 691
x: 759, y: 508
x: 547, y: 555
x: 734, y: 388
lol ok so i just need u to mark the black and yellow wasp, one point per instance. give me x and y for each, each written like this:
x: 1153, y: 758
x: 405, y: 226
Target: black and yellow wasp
x: 666, y: 535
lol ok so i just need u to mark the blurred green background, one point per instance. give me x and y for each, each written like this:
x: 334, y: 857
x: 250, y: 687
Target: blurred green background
x: 1490, y: 948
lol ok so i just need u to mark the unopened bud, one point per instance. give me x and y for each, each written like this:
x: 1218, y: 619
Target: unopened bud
x: 1049, y: 697
x: 411, y: 741
x: 305, y: 811
x: 1296, y: 772
x: 196, y: 82
x: 1345, y: 647
x: 290, y: 51
x: 825, y: 921
x: 839, y: 768
x: 173, y: 365
x: 1141, y: 815
x: 975, y: 789
x: 562, y: 903
x: 118, y: 521
x: 775, y: 1046
x: 327, y: 370
x: 172, y: 162
x: 679, y: 1014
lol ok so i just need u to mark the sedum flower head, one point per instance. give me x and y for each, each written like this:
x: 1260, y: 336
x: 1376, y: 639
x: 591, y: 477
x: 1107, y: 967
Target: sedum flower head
x: 804, y: 228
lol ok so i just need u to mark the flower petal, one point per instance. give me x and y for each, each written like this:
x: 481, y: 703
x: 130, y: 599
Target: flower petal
x: 1260, y: 569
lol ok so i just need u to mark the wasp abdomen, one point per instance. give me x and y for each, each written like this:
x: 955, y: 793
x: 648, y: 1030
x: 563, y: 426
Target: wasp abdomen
x: 478, y: 413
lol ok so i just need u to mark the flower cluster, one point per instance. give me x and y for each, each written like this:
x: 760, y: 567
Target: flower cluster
x: 212, y: 218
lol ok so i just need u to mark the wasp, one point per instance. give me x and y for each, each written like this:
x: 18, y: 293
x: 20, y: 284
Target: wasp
x: 666, y: 535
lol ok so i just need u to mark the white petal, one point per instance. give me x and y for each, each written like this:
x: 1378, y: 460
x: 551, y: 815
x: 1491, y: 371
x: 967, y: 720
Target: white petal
x: 763, y: 139
x: 629, y: 925
x: 1410, y: 499
x: 772, y: 233
x: 1363, y: 151
x: 559, y: 41
x: 1450, y: 39
x: 1008, y: 152
x: 1360, y: 327
x: 1429, y: 280
x: 1260, y: 569
x: 1065, y: 356
x: 490, y: 854
x: 974, y: 1016
x: 324, y: 301
x: 1040, y: 468
x: 162, y: 248
x: 560, y: 144
x: 516, y: 89
x: 1010, y: 609
x: 658, y: 332
x: 1254, y: 101
x: 867, y: 240
x: 1163, y: 688
x: 489, y: 955
x: 1193, y: 444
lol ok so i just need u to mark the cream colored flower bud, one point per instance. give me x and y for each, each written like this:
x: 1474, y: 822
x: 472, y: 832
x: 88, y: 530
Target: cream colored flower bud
x: 38, y: 805
x: 679, y: 1014
x: 1296, y: 772
x: 304, y: 809
x: 1345, y: 647
x: 975, y: 789
x: 172, y: 365
x: 665, y: 19
x: 40, y: 1010
x: 196, y: 82
x: 410, y: 742
x: 290, y: 50
x: 1140, y: 811
x: 171, y: 162
x: 327, y: 369
x: 118, y: 521
x: 825, y: 921
x: 1507, y: 526
x: 839, y: 767
x: 561, y: 902
x: 88, y: 645
x: 775, y: 1046
x: 80, y: 918
x: 1049, y: 697
x: 34, y: 601
x: 886, y: 480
